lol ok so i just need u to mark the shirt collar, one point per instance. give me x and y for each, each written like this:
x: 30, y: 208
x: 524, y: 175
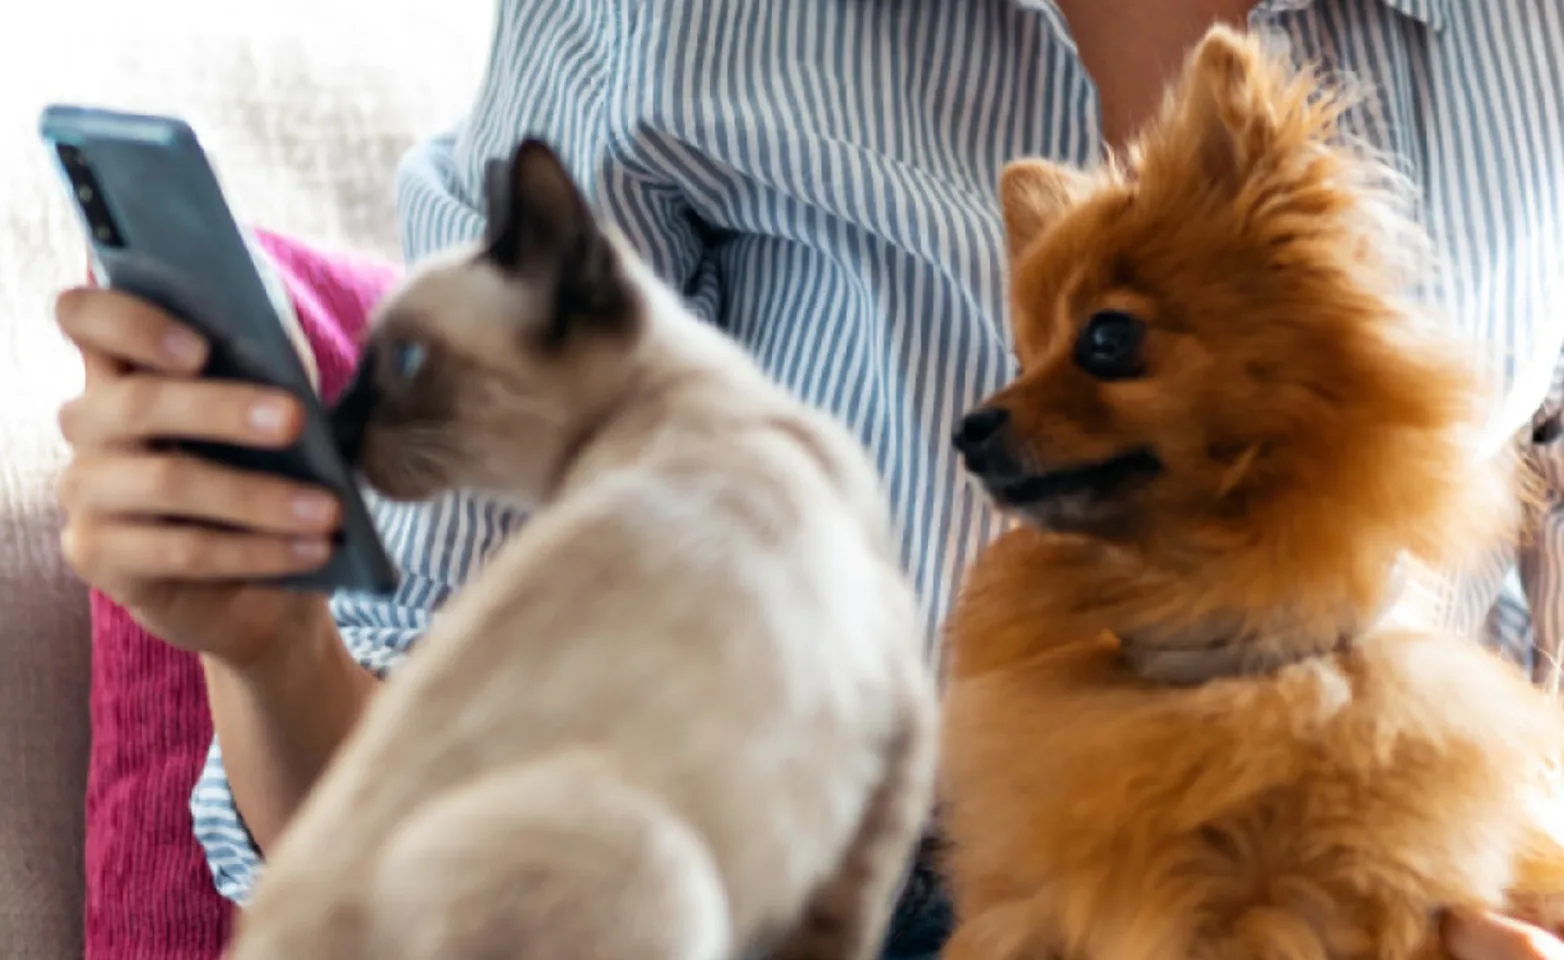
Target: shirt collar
x: 1052, y: 16
x: 1433, y: 14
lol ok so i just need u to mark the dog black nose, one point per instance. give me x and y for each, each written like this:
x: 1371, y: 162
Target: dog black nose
x: 979, y: 430
x: 981, y: 439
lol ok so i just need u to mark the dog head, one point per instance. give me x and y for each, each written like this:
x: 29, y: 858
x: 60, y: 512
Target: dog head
x: 1217, y: 360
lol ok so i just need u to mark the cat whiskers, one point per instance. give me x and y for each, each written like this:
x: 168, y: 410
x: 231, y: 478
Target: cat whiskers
x: 504, y: 399
x: 425, y: 452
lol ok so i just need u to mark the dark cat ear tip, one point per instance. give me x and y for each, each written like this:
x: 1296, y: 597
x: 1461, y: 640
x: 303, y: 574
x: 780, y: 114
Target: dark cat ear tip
x: 528, y: 151
x: 535, y: 149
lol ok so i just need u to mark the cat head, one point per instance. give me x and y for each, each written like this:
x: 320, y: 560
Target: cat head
x: 488, y: 368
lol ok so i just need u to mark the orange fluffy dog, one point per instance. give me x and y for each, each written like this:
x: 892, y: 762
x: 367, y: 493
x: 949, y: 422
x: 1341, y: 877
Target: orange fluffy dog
x: 1180, y: 723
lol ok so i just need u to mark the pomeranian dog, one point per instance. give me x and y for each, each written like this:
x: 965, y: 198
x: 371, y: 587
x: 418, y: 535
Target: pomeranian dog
x: 1185, y: 717
x: 682, y: 713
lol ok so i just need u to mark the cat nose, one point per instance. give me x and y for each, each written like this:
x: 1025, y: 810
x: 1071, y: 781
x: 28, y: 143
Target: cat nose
x: 350, y: 414
x: 980, y: 439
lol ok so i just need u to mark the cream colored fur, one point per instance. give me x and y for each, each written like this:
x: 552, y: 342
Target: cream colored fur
x: 680, y: 714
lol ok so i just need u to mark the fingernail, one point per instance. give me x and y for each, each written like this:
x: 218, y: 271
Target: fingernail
x: 183, y: 347
x: 268, y: 416
x: 313, y: 508
x: 311, y: 551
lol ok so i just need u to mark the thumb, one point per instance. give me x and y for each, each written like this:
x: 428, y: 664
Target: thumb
x: 1491, y: 936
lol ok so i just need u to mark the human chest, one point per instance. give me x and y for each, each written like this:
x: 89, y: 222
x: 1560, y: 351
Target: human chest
x: 874, y: 132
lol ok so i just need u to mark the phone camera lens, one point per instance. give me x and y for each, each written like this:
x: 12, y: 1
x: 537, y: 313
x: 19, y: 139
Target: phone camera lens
x: 89, y: 197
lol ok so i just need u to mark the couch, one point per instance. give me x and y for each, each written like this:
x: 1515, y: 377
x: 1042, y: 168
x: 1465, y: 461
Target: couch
x: 306, y: 107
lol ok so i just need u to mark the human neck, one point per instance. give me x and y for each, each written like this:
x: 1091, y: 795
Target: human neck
x: 1179, y: 23
x: 1133, y: 50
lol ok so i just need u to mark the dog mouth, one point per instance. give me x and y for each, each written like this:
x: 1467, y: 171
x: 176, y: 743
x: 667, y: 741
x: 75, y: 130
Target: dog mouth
x: 1096, y: 480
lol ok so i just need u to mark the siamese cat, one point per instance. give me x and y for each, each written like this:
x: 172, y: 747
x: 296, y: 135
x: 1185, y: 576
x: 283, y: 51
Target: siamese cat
x: 682, y: 712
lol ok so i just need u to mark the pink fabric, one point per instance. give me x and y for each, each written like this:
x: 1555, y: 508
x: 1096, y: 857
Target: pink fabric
x: 149, y: 892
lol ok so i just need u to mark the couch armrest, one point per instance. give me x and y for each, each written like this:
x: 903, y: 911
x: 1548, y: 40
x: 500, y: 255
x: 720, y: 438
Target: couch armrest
x: 44, y: 679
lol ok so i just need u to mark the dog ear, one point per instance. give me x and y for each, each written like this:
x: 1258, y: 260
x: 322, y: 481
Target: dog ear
x: 1219, y: 115
x: 1032, y: 195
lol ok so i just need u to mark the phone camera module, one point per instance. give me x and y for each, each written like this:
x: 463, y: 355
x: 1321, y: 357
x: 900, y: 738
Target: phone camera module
x: 89, y: 197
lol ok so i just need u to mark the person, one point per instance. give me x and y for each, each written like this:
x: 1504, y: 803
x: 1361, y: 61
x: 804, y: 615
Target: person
x: 818, y: 178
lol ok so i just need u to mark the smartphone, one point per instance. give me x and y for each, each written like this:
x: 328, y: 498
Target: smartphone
x: 159, y: 228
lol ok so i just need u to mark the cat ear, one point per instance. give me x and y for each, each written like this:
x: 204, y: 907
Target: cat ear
x: 540, y: 226
x: 1032, y: 196
x: 536, y: 217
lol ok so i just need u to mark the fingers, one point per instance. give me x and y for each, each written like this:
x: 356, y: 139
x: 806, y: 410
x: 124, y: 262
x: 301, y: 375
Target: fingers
x: 118, y: 535
x: 142, y: 486
x: 139, y: 362
x: 113, y: 554
x: 126, y: 329
x: 130, y: 510
x: 98, y: 367
x: 139, y: 407
x: 1490, y: 936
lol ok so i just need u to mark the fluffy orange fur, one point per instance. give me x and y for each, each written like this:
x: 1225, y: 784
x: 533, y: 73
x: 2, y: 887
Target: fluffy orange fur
x: 1351, y: 776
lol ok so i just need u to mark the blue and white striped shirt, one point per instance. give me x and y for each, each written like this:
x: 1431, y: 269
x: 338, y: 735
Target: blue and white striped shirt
x: 818, y: 177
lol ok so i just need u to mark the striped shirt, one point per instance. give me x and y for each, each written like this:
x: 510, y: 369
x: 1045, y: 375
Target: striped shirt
x: 818, y: 178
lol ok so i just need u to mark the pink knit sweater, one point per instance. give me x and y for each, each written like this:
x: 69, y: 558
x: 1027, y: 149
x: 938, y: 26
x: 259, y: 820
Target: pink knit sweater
x: 149, y: 892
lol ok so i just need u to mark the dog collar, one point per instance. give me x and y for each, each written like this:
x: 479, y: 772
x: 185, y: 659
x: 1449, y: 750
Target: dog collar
x: 1238, y: 645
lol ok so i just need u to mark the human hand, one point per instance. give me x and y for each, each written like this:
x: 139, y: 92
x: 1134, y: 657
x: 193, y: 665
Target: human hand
x: 171, y: 537
x: 1492, y: 936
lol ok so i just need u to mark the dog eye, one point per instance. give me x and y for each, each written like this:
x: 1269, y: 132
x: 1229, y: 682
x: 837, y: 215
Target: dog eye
x: 1109, y: 347
x: 407, y: 358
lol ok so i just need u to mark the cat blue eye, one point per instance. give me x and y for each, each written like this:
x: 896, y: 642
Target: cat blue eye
x: 1109, y: 347
x: 407, y: 359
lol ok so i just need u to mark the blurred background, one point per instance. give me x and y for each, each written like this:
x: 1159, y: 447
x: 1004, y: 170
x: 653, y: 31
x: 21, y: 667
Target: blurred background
x: 305, y: 107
